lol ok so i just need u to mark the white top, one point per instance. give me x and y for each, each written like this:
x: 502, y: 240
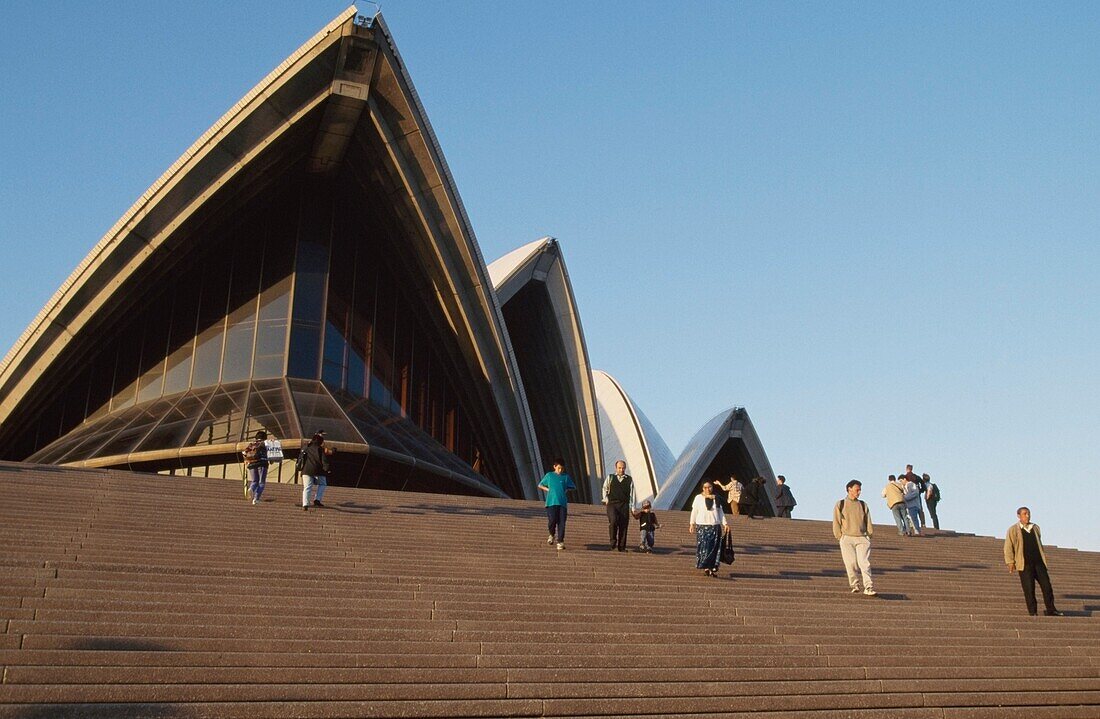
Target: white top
x: 700, y: 515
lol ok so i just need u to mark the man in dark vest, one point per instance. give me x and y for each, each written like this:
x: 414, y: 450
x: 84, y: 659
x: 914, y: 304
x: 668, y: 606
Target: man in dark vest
x: 1024, y: 554
x: 618, y: 495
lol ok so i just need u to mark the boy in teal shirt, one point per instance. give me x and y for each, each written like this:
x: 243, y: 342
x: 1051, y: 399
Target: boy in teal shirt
x: 556, y: 484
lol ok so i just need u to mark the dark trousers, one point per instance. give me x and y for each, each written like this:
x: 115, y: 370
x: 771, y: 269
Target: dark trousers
x: 785, y: 512
x: 1030, y: 574
x: 932, y: 513
x: 555, y: 521
x: 618, y: 522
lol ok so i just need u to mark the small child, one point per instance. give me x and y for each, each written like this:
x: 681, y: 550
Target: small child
x: 647, y: 525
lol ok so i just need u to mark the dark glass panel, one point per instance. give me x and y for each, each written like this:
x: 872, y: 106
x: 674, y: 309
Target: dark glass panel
x: 57, y: 449
x: 381, y: 388
x: 178, y: 422
x: 181, y: 341
x: 241, y: 322
x: 126, y: 368
x: 332, y: 369
x: 212, y: 309
x: 436, y: 392
x: 317, y: 410
x: 363, y: 415
x: 402, y: 362
x: 101, y: 432
x: 271, y: 332
x: 128, y: 438
x: 341, y: 296
x: 99, y: 386
x: 222, y: 421
x: 387, y: 431
x: 154, y: 348
x: 270, y: 409
x: 309, y: 300
x: 418, y: 399
x: 361, y: 333
x: 314, y: 226
x: 278, y: 272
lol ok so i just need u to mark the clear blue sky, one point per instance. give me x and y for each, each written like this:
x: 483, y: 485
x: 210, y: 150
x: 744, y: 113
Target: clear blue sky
x: 874, y: 225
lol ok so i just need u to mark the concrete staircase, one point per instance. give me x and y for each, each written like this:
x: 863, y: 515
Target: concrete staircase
x: 128, y: 595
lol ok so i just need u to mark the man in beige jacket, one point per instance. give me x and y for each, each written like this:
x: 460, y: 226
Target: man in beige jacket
x: 1024, y: 554
x: 853, y: 529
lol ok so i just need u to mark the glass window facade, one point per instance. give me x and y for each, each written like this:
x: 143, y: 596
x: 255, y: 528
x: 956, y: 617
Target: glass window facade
x: 305, y: 307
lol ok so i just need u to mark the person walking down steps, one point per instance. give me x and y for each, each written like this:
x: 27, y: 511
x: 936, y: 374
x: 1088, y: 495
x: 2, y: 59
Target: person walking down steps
x: 556, y: 483
x: 853, y: 529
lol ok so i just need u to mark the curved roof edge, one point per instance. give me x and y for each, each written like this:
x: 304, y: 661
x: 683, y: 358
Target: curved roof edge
x: 543, y: 261
x: 627, y: 434
x: 703, y: 447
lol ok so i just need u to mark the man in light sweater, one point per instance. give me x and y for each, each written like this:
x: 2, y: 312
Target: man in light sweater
x: 853, y: 529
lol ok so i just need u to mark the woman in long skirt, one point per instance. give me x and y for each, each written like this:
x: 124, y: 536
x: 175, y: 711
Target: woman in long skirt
x: 707, y: 524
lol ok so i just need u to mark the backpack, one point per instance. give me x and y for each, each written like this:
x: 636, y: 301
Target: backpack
x: 935, y: 493
x: 252, y: 451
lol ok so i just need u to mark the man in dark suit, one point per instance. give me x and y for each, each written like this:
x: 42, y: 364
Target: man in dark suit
x: 784, y: 500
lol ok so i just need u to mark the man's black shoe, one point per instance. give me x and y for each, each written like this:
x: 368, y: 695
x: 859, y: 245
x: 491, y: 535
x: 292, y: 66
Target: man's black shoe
x: 317, y: 503
x: 1053, y: 613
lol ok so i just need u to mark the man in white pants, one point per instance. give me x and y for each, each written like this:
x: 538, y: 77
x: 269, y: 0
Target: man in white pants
x: 853, y: 529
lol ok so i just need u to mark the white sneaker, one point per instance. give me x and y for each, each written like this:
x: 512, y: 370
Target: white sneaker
x: 255, y: 500
x: 561, y: 545
x: 855, y: 590
x: 870, y: 592
x: 550, y: 539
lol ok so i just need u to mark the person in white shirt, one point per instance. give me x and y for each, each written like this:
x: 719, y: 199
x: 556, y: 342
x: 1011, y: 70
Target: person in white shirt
x: 707, y: 523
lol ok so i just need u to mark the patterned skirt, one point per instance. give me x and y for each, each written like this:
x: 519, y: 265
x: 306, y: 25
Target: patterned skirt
x: 709, y: 541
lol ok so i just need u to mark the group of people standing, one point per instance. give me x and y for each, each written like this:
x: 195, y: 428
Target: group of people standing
x: 905, y: 496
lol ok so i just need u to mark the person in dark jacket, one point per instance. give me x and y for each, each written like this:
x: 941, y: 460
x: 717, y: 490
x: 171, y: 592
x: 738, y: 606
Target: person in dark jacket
x: 932, y: 499
x: 784, y: 500
x: 255, y: 457
x: 757, y: 498
x: 313, y: 464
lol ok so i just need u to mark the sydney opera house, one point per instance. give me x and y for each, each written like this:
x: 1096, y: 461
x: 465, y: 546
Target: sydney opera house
x: 308, y: 264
